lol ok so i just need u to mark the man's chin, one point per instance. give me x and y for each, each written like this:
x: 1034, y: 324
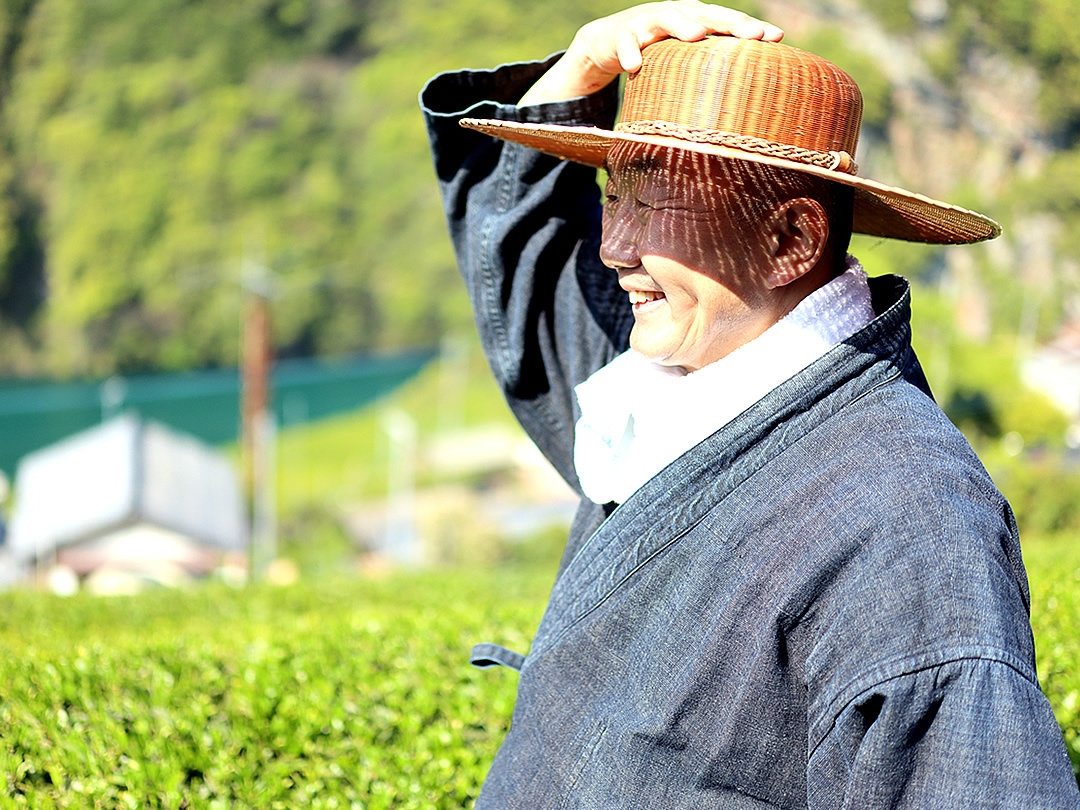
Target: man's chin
x: 657, y: 354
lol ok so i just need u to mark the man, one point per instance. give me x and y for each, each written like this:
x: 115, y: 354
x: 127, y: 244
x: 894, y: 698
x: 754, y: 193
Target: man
x: 790, y: 582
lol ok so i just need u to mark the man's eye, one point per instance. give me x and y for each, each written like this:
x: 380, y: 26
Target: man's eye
x: 610, y: 199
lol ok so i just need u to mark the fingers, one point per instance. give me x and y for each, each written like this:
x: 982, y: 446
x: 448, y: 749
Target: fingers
x: 677, y: 23
x: 614, y: 43
x: 606, y: 47
x: 628, y: 51
x: 690, y: 20
x: 668, y: 21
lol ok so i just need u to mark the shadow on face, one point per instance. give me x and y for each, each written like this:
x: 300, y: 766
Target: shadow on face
x: 709, y: 248
x: 724, y: 203
x: 696, y: 210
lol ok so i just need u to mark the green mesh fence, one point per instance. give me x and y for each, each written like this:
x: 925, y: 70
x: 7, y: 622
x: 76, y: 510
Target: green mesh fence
x: 35, y: 413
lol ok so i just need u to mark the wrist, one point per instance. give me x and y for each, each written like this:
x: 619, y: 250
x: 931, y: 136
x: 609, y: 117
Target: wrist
x: 572, y: 76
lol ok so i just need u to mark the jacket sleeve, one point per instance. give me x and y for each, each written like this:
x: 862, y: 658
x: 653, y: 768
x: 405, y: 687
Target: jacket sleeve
x: 972, y: 732
x: 922, y: 685
x: 525, y: 229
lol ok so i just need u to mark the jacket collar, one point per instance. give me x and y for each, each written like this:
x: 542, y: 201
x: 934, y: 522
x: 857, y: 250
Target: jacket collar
x: 680, y: 496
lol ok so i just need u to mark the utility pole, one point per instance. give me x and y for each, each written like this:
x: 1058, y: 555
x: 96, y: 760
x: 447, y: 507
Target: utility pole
x: 400, y: 542
x: 453, y: 382
x: 257, y: 442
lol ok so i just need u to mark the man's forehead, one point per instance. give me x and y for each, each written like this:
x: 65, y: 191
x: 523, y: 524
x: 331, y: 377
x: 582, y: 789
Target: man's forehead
x: 638, y: 158
x: 643, y: 158
x: 666, y: 165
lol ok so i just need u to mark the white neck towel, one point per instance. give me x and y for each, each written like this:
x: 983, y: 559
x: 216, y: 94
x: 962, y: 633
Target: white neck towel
x: 638, y: 416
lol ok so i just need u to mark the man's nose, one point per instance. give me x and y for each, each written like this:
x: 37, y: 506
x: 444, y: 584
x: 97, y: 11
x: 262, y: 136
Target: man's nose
x: 618, y: 243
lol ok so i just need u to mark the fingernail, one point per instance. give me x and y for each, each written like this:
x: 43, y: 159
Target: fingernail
x: 750, y: 30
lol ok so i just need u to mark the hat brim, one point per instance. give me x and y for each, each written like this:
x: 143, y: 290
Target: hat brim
x: 880, y: 210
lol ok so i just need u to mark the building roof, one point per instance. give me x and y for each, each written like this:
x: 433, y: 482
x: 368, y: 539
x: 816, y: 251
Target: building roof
x: 123, y: 472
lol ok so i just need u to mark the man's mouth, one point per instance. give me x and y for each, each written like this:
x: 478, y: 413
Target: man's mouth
x: 644, y: 296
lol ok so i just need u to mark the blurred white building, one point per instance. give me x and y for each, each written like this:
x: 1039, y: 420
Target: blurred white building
x: 124, y: 504
x: 1055, y: 371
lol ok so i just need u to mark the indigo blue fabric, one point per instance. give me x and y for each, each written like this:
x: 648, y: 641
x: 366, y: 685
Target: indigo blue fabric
x: 822, y: 605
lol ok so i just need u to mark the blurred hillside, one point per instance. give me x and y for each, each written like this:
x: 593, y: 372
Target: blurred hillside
x: 147, y: 149
x: 974, y: 102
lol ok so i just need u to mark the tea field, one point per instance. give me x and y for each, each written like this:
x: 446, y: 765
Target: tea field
x: 348, y: 692
x: 351, y: 693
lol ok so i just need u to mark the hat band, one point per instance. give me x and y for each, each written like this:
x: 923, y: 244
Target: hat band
x: 834, y: 161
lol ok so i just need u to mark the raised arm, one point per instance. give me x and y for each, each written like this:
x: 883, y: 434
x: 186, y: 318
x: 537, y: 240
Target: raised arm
x: 525, y: 230
x: 526, y: 227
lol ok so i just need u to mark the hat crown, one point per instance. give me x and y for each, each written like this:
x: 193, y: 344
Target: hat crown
x: 746, y: 87
x: 764, y: 102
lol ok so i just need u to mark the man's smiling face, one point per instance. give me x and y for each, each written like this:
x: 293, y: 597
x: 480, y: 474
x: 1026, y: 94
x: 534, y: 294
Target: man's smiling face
x: 686, y: 236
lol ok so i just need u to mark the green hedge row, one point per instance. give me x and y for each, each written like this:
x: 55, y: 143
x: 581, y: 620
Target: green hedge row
x: 348, y: 693
x: 352, y: 694
x: 1054, y: 578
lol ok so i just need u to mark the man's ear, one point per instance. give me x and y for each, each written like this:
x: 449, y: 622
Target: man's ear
x: 799, y: 231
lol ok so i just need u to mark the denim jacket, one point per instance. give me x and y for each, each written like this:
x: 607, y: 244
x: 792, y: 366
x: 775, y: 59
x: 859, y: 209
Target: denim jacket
x: 821, y: 605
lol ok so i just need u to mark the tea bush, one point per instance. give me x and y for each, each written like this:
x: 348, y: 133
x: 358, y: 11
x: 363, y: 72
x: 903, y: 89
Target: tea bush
x: 345, y: 694
x: 330, y: 693
x: 1054, y: 577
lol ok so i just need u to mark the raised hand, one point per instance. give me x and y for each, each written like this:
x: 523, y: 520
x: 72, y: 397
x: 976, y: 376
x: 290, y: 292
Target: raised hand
x: 608, y: 46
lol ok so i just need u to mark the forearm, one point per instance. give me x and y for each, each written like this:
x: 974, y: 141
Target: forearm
x: 525, y: 232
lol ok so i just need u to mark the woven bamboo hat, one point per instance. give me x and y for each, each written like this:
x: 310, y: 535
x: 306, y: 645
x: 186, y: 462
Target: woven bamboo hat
x: 757, y: 101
